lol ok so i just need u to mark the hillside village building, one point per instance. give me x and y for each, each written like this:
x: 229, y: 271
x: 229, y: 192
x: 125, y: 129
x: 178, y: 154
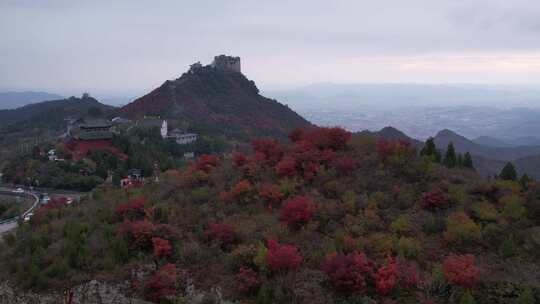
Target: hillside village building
x: 182, y: 138
x: 91, y: 129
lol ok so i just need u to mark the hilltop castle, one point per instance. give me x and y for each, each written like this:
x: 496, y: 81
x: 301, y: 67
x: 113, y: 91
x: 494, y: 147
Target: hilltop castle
x: 226, y: 63
x: 221, y: 63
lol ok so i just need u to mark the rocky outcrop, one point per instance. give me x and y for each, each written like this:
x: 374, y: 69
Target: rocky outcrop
x: 93, y: 292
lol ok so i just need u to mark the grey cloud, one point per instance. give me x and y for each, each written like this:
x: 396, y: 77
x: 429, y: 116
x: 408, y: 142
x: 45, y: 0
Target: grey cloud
x: 128, y: 46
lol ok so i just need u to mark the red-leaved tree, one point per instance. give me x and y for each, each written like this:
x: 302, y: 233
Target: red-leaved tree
x: 434, y: 199
x: 386, y: 277
x: 241, y: 188
x: 461, y: 270
x: 162, y: 248
x: 280, y: 258
x: 348, y: 273
x: 345, y: 165
x: 132, y: 209
x: 332, y: 138
x: 387, y: 148
x: 239, y: 159
x: 161, y: 284
x: 286, y: 167
x: 138, y: 233
x: 271, y: 149
x: 206, y: 163
x: 297, y: 211
x: 247, y: 280
x: 222, y: 233
x: 271, y: 193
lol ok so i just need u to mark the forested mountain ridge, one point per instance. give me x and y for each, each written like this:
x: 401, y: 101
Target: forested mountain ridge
x: 52, y: 114
x: 12, y: 100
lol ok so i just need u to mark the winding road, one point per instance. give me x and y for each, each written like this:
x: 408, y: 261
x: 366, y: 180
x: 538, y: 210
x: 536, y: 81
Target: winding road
x: 11, y: 223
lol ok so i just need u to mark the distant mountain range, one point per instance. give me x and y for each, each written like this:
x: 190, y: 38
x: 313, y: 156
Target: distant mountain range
x: 489, y: 154
x: 208, y: 100
x: 12, y: 100
x: 490, y: 159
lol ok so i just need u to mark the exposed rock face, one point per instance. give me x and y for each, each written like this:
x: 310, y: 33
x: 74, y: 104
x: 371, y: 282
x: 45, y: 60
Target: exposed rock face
x: 93, y: 292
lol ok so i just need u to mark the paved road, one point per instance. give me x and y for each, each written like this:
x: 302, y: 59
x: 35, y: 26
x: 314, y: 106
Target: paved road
x: 9, y: 224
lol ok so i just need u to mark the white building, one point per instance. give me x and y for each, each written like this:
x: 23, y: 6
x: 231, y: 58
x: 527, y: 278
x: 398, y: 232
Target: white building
x: 186, y: 138
x: 182, y: 138
x: 164, y: 129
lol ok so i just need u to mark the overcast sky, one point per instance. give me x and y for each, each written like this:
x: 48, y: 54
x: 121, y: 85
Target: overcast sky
x: 129, y: 47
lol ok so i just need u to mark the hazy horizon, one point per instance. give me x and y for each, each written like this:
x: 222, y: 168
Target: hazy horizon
x: 124, y: 48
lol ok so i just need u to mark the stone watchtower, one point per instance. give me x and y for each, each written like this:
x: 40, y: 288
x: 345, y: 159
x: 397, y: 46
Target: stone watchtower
x: 227, y: 63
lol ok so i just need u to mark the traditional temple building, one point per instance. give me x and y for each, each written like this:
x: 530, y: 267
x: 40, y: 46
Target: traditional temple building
x: 94, y: 129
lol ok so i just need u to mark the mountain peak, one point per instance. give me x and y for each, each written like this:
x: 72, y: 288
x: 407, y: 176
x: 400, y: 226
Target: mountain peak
x: 447, y: 133
x: 217, y: 98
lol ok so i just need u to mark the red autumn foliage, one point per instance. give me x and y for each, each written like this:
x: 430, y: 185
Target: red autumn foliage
x: 282, y: 257
x: 81, y: 148
x: 221, y: 232
x: 395, y: 273
x: 297, y: 211
x: 271, y: 149
x: 161, y: 284
x: 162, y: 247
x: 296, y: 135
x: 139, y: 233
x: 408, y: 276
x: 327, y: 155
x: 386, y: 277
x: 348, y: 273
x: 345, y: 165
x: 310, y: 170
x: 286, y: 167
x: 305, y: 151
x: 271, y: 193
x: 461, y: 270
x: 239, y: 159
x: 387, y: 148
x: 56, y: 203
x: 331, y: 138
x: 435, y: 198
x: 206, y: 163
x: 241, y: 188
x: 247, y: 280
x: 134, y: 207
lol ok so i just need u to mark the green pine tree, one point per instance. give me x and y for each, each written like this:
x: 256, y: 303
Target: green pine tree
x: 508, y: 172
x: 430, y: 150
x: 450, y: 158
x: 459, y: 162
x: 467, y: 161
x: 524, y: 181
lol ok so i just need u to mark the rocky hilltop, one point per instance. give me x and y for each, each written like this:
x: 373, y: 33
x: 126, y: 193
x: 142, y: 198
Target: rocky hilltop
x: 214, y: 98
